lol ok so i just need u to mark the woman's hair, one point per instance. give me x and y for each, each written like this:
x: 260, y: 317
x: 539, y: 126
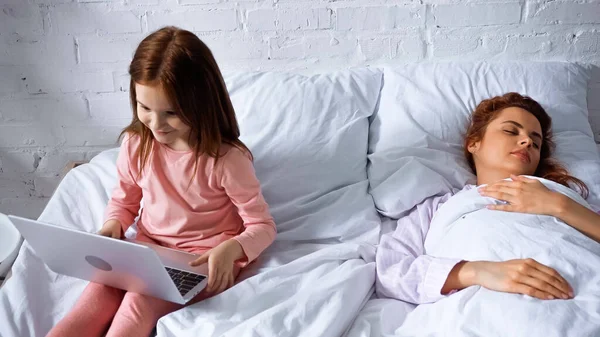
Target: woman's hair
x: 184, y: 67
x: 489, y: 109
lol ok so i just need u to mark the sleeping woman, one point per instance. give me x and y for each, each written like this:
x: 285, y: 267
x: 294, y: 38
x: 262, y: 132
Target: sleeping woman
x: 478, y: 261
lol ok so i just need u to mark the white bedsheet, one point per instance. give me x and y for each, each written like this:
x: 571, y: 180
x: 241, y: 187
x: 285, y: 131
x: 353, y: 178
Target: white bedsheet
x: 295, y: 289
x: 380, y: 316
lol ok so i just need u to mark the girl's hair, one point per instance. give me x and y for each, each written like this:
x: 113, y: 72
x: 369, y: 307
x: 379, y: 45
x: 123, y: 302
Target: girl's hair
x: 548, y: 167
x: 184, y: 67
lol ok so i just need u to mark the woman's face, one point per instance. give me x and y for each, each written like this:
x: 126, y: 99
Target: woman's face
x: 511, y: 144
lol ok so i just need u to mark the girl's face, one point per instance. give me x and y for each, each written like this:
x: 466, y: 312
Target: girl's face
x: 156, y: 112
x: 511, y: 145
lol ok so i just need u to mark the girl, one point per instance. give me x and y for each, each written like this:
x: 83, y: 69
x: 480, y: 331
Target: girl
x: 182, y: 155
x: 508, y: 136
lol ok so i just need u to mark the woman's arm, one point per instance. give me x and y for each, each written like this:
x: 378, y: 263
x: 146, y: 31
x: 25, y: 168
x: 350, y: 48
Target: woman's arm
x: 523, y: 276
x: 403, y: 271
x: 577, y: 216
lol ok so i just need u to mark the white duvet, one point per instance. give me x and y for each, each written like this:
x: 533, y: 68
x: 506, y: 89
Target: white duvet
x: 295, y: 289
x: 463, y: 228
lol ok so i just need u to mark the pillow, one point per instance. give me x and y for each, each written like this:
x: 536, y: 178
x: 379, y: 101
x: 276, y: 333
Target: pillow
x: 416, y: 135
x: 309, y: 138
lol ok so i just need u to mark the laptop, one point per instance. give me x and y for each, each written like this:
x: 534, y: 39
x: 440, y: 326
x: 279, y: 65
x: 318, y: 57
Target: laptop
x: 129, y: 265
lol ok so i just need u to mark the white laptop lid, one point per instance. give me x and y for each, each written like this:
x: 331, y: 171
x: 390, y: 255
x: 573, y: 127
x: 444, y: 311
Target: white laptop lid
x: 117, y: 263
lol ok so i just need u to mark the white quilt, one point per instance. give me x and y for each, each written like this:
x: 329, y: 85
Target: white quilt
x: 464, y: 228
x: 294, y: 289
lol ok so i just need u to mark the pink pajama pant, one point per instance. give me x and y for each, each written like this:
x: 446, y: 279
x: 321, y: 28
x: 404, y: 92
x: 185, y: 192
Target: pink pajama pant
x: 123, y: 313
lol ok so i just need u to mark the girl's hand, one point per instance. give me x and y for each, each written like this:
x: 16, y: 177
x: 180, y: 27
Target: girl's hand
x: 220, y: 265
x: 526, y: 277
x: 523, y: 195
x: 112, y: 229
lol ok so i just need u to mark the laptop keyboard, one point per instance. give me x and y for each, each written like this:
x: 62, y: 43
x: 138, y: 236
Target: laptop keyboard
x: 184, y: 280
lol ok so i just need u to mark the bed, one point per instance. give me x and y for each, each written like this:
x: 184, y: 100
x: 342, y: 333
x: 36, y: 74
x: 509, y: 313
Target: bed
x: 334, y: 154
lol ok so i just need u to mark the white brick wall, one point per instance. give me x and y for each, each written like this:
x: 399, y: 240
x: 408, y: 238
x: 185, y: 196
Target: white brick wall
x: 195, y: 20
x: 63, y: 63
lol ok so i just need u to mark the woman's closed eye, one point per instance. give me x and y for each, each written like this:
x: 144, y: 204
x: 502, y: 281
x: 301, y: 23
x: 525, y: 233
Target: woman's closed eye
x: 516, y: 133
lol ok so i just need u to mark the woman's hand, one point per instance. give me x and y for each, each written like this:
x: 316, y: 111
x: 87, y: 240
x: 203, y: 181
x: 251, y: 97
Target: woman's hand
x: 527, y: 277
x: 112, y: 229
x: 524, y: 195
x: 220, y: 265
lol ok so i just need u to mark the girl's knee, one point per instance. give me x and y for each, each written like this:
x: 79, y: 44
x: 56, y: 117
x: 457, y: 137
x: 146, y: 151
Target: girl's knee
x: 142, y: 307
x: 103, y: 290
